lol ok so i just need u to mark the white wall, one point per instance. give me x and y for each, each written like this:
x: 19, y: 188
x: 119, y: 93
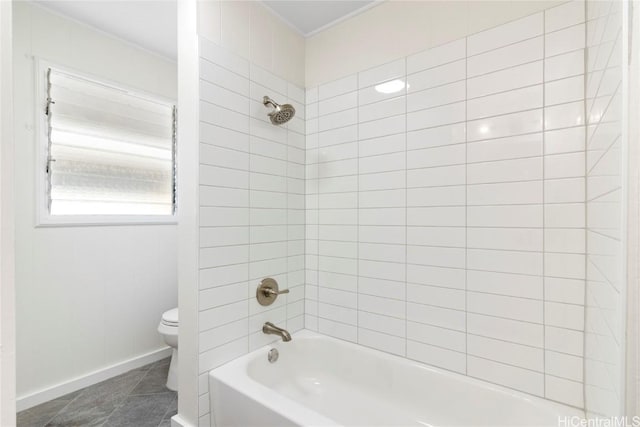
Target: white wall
x: 7, y: 269
x: 395, y: 29
x: 87, y: 297
x: 447, y: 225
x: 604, y: 346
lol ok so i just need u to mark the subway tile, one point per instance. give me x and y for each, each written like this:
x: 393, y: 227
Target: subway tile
x: 436, y: 56
x: 564, y: 365
x: 338, y: 87
x: 512, y: 147
x: 565, y: 15
x: 564, y: 391
x: 382, y: 163
x: 436, y: 236
x: 528, y: 192
x: 505, y: 261
x: 505, y: 329
x: 440, y: 337
x: 510, y: 376
x: 437, y: 156
x: 437, y: 76
x: 563, y: 91
x: 505, y: 80
x: 505, y: 216
x: 337, y: 103
x: 508, y: 284
x: 439, y: 297
x: 436, y: 216
x: 522, y: 309
x: 381, y: 198
x: 438, y: 116
x: 520, y: 239
x: 505, y: 34
x: 439, y: 256
x: 436, y: 177
x: 505, y: 171
x: 436, y: 276
x: 382, y: 73
x: 562, y: 315
x: 436, y: 196
x: 382, y: 127
x: 564, y: 340
x: 441, y: 95
x: 505, y: 352
x: 380, y: 341
x: 382, y: 109
x: 570, y: 291
x: 385, y: 324
x: 565, y: 40
x: 503, y: 126
x: 389, y: 307
x: 505, y: 57
x: 564, y: 65
x: 564, y: 115
x: 436, y: 136
x: 383, y: 145
x: 382, y: 181
x: 511, y: 101
x: 437, y: 356
x: 564, y: 190
x: 436, y: 316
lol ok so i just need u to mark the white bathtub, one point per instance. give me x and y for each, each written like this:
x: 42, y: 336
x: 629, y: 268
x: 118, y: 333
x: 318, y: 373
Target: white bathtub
x: 321, y: 381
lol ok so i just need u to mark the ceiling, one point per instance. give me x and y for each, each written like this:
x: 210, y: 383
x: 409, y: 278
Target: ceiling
x: 152, y: 24
x: 312, y: 16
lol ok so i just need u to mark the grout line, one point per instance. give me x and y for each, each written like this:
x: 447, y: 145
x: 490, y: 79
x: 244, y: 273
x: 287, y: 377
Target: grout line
x: 586, y: 240
x: 466, y: 213
x: 544, y: 152
x: 406, y: 211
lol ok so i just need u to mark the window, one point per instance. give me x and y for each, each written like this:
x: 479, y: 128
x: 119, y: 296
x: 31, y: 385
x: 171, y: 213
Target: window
x: 108, y: 154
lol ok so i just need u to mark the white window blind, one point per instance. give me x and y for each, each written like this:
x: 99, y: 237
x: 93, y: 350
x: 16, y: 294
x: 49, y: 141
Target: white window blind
x: 110, y: 151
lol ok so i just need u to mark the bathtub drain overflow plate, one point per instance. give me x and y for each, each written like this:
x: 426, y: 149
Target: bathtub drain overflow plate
x: 273, y: 355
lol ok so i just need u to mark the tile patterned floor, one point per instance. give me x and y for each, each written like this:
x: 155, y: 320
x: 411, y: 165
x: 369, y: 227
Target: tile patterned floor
x: 137, y: 398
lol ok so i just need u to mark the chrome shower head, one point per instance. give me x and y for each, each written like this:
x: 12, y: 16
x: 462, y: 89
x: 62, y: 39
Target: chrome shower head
x: 281, y: 113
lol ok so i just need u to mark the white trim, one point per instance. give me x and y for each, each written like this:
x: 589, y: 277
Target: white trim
x: 325, y: 26
x: 7, y: 223
x: 42, y: 216
x: 44, y: 395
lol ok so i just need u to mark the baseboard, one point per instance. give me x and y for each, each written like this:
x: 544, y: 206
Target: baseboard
x: 177, y: 421
x: 50, y: 393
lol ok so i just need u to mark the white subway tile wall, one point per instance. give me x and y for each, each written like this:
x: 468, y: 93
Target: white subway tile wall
x: 252, y: 209
x: 605, y: 260
x: 445, y: 221
x: 468, y: 220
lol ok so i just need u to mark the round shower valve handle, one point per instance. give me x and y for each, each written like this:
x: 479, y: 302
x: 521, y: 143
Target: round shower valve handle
x: 268, y: 291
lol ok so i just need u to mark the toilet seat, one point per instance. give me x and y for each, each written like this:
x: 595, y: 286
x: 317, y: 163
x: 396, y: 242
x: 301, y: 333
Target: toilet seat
x: 170, y: 318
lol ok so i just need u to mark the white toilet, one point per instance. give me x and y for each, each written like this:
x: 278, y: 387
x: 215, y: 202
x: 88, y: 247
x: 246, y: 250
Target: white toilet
x: 168, y: 328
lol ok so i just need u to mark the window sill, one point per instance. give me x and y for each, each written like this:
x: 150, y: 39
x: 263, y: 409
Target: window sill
x: 104, y: 220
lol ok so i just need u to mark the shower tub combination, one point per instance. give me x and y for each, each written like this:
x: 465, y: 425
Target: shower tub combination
x: 322, y: 381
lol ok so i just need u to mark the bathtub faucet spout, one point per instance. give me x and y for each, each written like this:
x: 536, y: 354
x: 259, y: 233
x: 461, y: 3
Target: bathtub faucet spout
x: 271, y: 329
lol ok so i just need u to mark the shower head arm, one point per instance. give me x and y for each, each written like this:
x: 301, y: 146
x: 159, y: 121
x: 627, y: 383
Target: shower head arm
x: 268, y: 101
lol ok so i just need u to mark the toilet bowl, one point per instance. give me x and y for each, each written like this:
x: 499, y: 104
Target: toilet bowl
x: 168, y: 328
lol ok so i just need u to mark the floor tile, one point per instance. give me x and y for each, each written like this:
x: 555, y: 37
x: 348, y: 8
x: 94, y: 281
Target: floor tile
x: 141, y: 411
